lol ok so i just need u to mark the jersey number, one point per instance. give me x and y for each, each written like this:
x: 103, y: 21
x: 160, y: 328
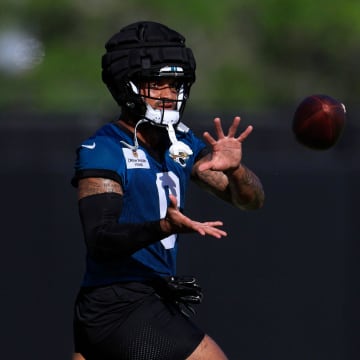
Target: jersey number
x: 167, y: 183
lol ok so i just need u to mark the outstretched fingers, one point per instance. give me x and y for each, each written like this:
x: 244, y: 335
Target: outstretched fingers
x: 210, y: 228
x: 180, y: 223
x: 231, y: 132
x: 218, y: 128
x: 220, y: 132
x: 209, y: 139
x: 234, y: 126
x: 241, y: 138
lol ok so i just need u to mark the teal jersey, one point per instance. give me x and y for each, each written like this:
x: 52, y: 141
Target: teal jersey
x: 146, y: 184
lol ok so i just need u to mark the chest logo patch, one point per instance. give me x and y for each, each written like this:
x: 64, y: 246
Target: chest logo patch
x: 136, y: 160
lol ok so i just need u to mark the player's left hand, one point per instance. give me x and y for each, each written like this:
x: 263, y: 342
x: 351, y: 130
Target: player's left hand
x: 176, y: 222
x: 226, y: 149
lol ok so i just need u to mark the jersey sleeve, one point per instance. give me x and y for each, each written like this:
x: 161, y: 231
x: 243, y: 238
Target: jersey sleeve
x: 98, y: 156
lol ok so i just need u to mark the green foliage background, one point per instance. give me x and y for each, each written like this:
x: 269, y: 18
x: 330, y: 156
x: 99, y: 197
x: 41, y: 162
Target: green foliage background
x: 250, y: 54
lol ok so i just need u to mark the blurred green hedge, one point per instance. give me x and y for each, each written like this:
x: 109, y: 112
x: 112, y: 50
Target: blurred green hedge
x: 252, y: 55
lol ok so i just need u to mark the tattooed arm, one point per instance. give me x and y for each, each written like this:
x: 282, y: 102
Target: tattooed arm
x: 92, y: 186
x: 240, y: 187
x: 222, y: 173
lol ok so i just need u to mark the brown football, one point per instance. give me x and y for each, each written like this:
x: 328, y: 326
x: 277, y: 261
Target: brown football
x: 319, y: 121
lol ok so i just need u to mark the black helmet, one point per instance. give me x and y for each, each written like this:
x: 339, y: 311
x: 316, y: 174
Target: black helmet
x: 144, y: 51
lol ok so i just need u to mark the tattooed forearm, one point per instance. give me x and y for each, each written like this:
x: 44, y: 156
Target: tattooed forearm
x: 247, y: 177
x: 93, y: 186
x: 246, y: 188
x: 214, y: 179
x: 215, y: 182
x: 240, y: 187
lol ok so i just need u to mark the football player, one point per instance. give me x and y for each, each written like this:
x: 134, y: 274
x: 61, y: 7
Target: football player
x: 132, y: 178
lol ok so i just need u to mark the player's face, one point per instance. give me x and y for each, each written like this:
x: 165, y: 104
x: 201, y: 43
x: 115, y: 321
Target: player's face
x: 157, y: 93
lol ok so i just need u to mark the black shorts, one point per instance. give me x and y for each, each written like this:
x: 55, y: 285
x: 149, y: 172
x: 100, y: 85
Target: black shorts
x: 131, y: 322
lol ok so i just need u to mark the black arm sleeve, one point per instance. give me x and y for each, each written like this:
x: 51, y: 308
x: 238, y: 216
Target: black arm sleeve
x: 105, y: 238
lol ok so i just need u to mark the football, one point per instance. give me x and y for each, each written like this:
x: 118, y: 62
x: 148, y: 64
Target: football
x: 319, y: 121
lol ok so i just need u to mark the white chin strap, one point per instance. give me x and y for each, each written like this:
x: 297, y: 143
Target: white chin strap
x: 179, y: 151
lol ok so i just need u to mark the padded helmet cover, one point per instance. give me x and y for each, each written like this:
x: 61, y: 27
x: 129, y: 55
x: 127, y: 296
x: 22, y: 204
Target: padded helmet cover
x: 139, y: 51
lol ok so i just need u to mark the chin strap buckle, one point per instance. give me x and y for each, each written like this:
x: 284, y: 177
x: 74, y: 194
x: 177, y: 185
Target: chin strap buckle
x: 179, y: 151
